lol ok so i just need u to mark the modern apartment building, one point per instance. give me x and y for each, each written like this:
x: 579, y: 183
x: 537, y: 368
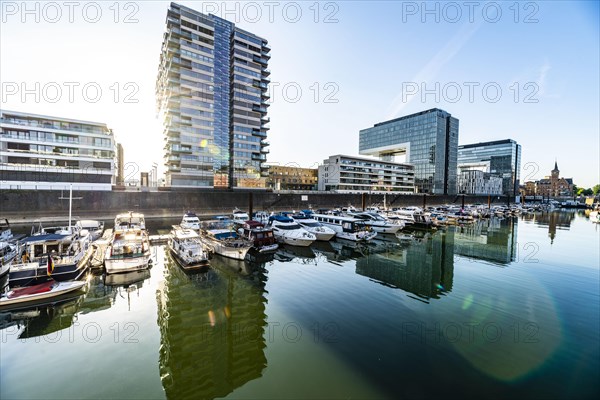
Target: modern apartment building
x: 211, y: 93
x: 501, y: 158
x: 41, y: 153
x: 349, y: 174
x: 478, y: 182
x: 428, y: 140
x: 286, y: 177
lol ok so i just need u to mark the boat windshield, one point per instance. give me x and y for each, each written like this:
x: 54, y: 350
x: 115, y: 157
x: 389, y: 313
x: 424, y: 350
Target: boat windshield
x: 311, y: 224
x: 289, y: 227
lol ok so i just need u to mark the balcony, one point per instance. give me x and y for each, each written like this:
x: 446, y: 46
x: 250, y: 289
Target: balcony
x: 266, y: 79
x: 266, y: 48
x: 260, y: 60
x: 258, y: 108
x: 173, y: 159
x: 266, y: 72
x: 181, y: 149
x: 265, y: 143
x: 264, y: 150
x: 259, y: 133
x: 265, y: 120
x: 259, y: 157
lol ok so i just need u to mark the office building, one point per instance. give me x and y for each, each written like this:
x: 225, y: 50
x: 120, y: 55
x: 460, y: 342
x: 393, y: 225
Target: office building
x: 501, y: 158
x: 211, y: 93
x: 349, y: 174
x: 285, y: 177
x: 39, y: 152
x: 428, y: 140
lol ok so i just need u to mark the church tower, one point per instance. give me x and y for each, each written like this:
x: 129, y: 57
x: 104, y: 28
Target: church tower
x: 555, y: 172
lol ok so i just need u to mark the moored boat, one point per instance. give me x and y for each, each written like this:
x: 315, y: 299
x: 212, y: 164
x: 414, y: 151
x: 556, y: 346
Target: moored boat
x: 187, y: 249
x: 190, y: 221
x: 287, y: 231
x: 8, y: 252
x: 94, y: 228
x: 129, y: 248
x: 226, y: 242
x: 262, y: 237
x: 69, y: 254
x: 348, y: 228
x: 41, y: 291
x: 321, y: 232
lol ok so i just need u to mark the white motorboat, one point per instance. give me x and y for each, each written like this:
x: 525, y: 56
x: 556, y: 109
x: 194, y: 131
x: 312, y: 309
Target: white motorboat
x: 379, y: 223
x: 5, y: 231
x: 226, y: 242
x: 38, y: 292
x: 188, y: 250
x: 348, y: 228
x: 130, y: 220
x: 595, y: 217
x: 413, y: 217
x: 239, y: 217
x: 129, y: 248
x: 262, y: 217
x: 321, y: 232
x: 287, y: 231
x: 94, y: 228
x: 190, y: 221
x: 8, y: 252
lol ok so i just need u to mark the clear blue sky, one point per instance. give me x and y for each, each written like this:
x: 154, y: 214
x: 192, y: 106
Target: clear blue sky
x: 373, y: 58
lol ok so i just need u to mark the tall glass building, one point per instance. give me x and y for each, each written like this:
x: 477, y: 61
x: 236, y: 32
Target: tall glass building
x: 428, y: 140
x: 501, y: 158
x: 211, y: 94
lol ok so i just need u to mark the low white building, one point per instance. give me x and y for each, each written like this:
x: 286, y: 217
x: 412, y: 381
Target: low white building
x: 478, y: 182
x: 350, y: 174
x: 39, y: 152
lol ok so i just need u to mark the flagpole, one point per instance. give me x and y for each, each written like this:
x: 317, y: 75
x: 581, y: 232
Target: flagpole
x: 70, y: 204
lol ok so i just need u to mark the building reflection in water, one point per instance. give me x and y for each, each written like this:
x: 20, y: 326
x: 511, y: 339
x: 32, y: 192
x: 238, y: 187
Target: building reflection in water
x: 211, y: 327
x: 554, y: 220
x: 493, y: 240
x: 423, y: 267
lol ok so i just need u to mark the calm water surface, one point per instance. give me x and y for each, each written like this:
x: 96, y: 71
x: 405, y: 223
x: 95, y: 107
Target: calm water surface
x: 502, y: 308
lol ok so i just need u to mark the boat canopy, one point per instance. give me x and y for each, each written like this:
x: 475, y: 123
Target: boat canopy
x: 254, y: 224
x: 45, y: 238
x: 280, y: 218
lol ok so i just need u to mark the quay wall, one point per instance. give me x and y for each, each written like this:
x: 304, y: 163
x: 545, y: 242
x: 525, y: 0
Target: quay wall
x: 26, y: 205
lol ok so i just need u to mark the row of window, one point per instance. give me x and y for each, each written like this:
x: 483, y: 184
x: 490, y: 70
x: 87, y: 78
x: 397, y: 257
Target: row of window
x: 44, y: 123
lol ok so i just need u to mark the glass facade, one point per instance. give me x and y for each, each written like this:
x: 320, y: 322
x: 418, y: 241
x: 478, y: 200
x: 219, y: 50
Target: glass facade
x: 501, y: 158
x: 211, y: 93
x: 428, y: 140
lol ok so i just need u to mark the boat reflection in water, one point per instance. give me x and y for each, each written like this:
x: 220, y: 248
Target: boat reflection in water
x: 303, y: 255
x: 44, y: 319
x: 211, y: 328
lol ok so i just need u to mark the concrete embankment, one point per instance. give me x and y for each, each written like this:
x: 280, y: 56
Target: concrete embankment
x: 27, y: 206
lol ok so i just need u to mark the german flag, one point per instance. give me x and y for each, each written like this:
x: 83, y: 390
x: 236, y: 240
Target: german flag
x: 50, y: 265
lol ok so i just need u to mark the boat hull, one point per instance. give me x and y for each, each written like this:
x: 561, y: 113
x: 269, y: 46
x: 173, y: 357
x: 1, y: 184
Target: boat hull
x: 127, y: 264
x: 57, y: 289
x: 187, y: 265
x: 35, y: 273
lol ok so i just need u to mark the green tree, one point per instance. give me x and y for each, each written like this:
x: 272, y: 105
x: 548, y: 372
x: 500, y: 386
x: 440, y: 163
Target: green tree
x: 587, y: 192
x: 596, y: 189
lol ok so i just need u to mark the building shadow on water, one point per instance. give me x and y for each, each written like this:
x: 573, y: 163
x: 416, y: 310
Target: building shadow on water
x: 211, y: 328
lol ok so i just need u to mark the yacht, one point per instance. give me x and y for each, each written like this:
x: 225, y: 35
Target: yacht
x: 130, y: 220
x: 226, y: 242
x: 129, y: 248
x: 348, y: 228
x: 413, y: 217
x: 5, y: 231
x: 190, y: 221
x: 263, y: 238
x: 261, y: 216
x: 379, y: 223
x: 8, y: 252
x: 287, y: 231
x: 188, y: 250
x: 239, y: 216
x: 61, y: 256
x: 322, y: 232
x: 95, y: 228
